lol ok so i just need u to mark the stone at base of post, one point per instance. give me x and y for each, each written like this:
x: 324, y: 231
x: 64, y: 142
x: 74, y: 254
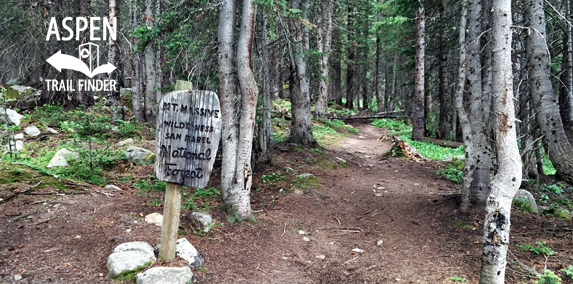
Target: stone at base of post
x: 170, y: 226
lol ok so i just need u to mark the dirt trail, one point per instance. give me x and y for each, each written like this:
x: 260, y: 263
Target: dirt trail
x: 399, y: 202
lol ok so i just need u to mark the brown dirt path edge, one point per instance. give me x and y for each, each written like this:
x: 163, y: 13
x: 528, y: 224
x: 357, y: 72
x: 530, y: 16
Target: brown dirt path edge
x: 400, y: 202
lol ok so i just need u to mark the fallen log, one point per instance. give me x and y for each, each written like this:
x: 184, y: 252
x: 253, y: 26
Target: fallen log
x: 392, y: 114
x: 444, y: 143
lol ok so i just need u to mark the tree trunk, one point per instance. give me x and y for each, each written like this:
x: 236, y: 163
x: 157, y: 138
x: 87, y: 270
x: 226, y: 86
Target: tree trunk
x: 418, y: 107
x: 337, y: 68
x: 150, y: 76
x: 479, y: 156
x: 301, y: 125
x: 507, y: 180
x: 138, y: 110
x: 393, y: 96
x: 266, y: 129
x: 548, y: 118
x: 53, y: 8
x: 566, y: 78
x: 379, y: 96
x: 461, y: 111
x: 323, y: 42
x: 444, y: 126
x: 351, y: 64
x: 158, y: 56
x: 239, y: 197
x: 228, y: 98
x: 114, y: 96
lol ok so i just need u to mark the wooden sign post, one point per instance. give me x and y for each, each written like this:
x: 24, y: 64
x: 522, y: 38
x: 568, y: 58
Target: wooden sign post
x: 188, y: 135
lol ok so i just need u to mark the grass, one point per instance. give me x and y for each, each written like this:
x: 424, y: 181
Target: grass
x: 306, y: 182
x: 431, y: 150
x: 130, y: 275
x: 391, y: 124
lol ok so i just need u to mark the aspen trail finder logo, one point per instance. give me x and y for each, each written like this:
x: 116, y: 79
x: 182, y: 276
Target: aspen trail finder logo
x: 88, y: 60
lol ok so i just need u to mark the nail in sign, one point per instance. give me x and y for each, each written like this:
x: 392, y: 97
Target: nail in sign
x: 188, y: 134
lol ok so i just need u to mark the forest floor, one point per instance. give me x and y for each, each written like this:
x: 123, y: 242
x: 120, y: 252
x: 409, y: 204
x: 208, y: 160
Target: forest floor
x: 400, y: 213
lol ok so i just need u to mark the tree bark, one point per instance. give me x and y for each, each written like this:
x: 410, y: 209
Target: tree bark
x: 228, y: 98
x: 240, y: 195
x: 444, y: 126
x: 479, y: 156
x: 81, y: 97
x: 379, y: 96
x: 266, y: 129
x: 507, y: 180
x: 150, y: 76
x: 548, y: 118
x: 301, y: 125
x: 461, y: 111
x: 158, y: 56
x: 323, y: 42
x: 114, y: 95
x: 138, y: 110
x: 418, y: 107
x: 351, y: 65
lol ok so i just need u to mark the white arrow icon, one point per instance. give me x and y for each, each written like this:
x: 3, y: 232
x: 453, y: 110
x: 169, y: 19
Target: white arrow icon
x: 63, y: 61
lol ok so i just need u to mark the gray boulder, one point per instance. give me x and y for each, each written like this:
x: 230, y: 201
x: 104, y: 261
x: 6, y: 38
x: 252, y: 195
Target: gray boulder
x: 13, y: 116
x: 125, y: 142
x: 32, y: 130
x: 205, y: 219
x: 187, y: 251
x: 62, y: 157
x: 139, y: 156
x: 129, y: 256
x: 524, y: 195
x: 27, y: 98
x: 165, y: 275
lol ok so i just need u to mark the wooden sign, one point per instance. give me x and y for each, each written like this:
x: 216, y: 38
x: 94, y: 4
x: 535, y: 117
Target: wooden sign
x: 188, y: 135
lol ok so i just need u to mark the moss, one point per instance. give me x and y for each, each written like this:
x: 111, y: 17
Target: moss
x: 559, y: 213
x: 522, y: 204
x: 306, y: 182
x: 129, y: 276
x: 460, y: 224
x: 10, y: 173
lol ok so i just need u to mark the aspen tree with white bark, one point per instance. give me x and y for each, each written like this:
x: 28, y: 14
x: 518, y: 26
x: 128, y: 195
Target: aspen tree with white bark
x: 150, y: 76
x: 541, y: 90
x: 507, y: 179
x: 418, y: 105
x: 323, y: 42
x: 114, y: 96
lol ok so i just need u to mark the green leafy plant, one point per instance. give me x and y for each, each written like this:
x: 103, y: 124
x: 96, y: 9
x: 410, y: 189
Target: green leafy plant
x: 452, y: 174
x: 548, y: 278
x: 457, y: 278
x: 272, y: 178
x: 391, y: 124
x: 552, y: 188
x: 568, y: 271
x: 150, y: 184
x: 523, y: 204
x: 537, y: 248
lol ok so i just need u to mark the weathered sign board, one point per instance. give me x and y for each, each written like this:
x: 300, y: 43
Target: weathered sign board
x: 188, y: 135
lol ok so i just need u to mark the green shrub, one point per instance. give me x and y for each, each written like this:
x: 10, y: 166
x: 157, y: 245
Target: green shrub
x: 431, y: 150
x: 537, y: 248
x: 150, y: 184
x: 390, y: 124
x: 452, y: 174
x: 522, y: 204
x: 548, y: 278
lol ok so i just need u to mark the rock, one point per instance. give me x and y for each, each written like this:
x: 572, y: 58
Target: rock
x: 205, y: 219
x: 307, y: 175
x: 306, y: 239
x: 125, y: 91
x: 526, y: 196
x: 361, y: 137
x: 379, y: 242
x: 27, y: 98
x: 62, y: 157
x: 51, y: 130
x: 111, y: 186
x: 16, y: 145
x: 139, y: 156
x: 165, y: 275
x: 17, y: 277
x: 358, y: 250
x: 155, y: 219
x: 320, y: 257
x: 187, y: 251
x: 341, y: 160
x: 32, y: 130
x: 128, y: 256
x: 13, y: 116
x: 449, y: 159
x: 301, y: 232
x: 125, y: 142
x: 18, y: 136
x: 298, y: 192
